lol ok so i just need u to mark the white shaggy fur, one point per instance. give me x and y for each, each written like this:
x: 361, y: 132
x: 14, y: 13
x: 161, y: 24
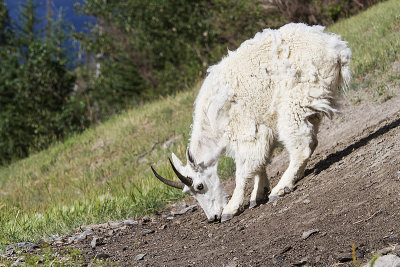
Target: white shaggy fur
x: 276, y: 86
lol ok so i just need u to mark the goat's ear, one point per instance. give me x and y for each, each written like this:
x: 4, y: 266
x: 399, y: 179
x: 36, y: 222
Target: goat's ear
x: 177, y: 162
x: 190, y: 159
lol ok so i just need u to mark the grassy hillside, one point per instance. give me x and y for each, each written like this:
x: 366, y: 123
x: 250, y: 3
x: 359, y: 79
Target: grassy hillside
x: 103, y: 174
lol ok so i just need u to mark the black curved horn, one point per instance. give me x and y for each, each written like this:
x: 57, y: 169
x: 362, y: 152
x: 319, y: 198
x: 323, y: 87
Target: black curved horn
x: 186, y: 180
x: 167, y: 182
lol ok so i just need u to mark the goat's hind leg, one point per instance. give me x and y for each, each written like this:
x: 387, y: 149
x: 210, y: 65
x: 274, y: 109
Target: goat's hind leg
x: 261, y: 188
x: 300, y: 143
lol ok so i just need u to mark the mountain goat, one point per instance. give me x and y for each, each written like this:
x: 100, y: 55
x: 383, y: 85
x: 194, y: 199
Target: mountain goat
x: 274, y: 87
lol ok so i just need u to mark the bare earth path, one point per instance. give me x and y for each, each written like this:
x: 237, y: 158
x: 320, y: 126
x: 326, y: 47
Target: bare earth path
x: 350, y: 194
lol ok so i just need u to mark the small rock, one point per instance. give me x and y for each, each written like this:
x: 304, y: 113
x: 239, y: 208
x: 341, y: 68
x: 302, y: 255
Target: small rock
x: 140, y: 257
x: 306, y: 201
x: 386, y: 261
x: 232, y: 263
x: 52, y: 238
x: 83, y: 235
x: 398, y: 174
x: 307, y: 234
x: 116, y: 224
x: 318, y: 259
x: 96, y: 242
x: 301, y: 262
x: 385, y: 251
x: 147, y: 231
x: 19, y: 261
x: 102, y: 256
x: 163, y: 226
x: 145, y: 220
x: 390, y: 236
x: 170, y: 218
x: 185, y: 210
x: 25, y: 246
x: 130, y: 222
x: 110, y: 232
x: 71, y: 239
x: 348, y: 256
x: 345, y: 257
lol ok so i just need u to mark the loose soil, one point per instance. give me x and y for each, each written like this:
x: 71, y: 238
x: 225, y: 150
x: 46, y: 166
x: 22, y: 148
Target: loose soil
x: 349, y: 196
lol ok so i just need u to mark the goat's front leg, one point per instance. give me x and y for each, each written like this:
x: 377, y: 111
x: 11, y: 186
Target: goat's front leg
x: 236, y: 200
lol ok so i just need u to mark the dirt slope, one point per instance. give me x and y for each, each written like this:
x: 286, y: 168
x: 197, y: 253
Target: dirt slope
x: 350, y: 194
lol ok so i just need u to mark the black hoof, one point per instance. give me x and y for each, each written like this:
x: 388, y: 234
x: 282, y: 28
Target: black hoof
x: 287, y: 190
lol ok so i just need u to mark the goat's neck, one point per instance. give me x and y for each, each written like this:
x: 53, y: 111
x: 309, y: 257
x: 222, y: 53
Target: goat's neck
x: 206, y: 144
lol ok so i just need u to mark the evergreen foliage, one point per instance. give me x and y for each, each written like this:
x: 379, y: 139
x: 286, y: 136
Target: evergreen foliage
x: 27, y: 30
x: 37, y: 102
x: 5, y: 24
x: 151, y: 48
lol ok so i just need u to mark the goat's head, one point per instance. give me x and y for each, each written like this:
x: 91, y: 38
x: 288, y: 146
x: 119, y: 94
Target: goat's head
x: 199, y: 181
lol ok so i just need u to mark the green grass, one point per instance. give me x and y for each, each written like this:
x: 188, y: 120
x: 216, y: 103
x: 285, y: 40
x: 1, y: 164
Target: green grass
x: 100, y: 175
x: 373, y: 36
x: 104, y: 174
x: 48, y: 257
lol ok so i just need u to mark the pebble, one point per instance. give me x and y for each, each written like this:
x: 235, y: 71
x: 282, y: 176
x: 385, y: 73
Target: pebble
x: 52, y: 238
x: 84, y: 235
x: 147, y: 231
x: 232, y: 263
x: 345, y: 257
x: 145, y: 220
x: 140, y: 257
x: 318, y: 259
x: 102, y: 256
x: 301, y: 262
x: 96, y: 242
x: 185, y: 210
x: 19, y: 261
x: 26, y: 246
x: 307, y: 234
x: 115, y: 224
x: 348, y: 256
x: 130, y: 222
x: 306, y: 201
x: 398, y: 174
x: 386, y: 261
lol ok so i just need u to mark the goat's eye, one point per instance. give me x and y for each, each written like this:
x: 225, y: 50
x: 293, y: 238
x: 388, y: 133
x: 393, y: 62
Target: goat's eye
x: 200, y: 187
